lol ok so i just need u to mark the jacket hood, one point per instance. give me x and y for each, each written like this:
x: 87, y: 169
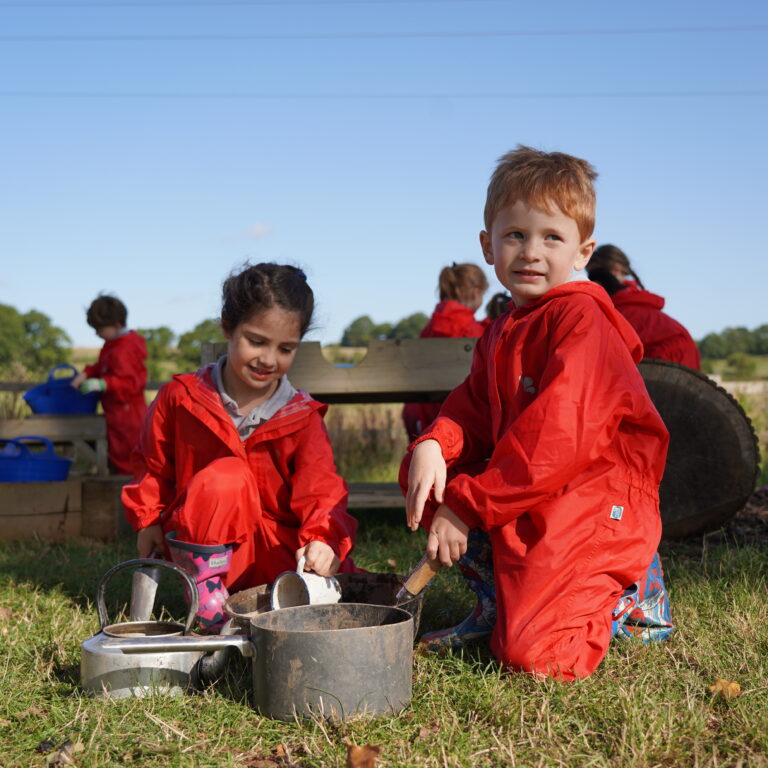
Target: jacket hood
x: 130, y: 339
x: 637, y: 296
x: 598, y: 293
x: 451, y: 316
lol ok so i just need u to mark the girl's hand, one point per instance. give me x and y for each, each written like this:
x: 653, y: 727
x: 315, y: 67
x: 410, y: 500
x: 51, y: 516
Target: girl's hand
x: 427, y: 471
x: 78, y: 380
x: 320, y: 558
x: 447, y: 539
x: 149, y: 540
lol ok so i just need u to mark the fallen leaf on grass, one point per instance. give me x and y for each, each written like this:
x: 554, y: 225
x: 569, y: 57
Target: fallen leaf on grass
x: 5, y: 613
x: 65, y: 754
x: 426, y: 731
x: 36, y: 711
x: 256, y: 759
x: 46, y: 745
x: 4, y: 723
x: 362, y: 757
x: 392, y: 562
x: 725, y: 688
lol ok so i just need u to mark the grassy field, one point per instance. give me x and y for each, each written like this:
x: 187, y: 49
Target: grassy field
x: 645, y: 706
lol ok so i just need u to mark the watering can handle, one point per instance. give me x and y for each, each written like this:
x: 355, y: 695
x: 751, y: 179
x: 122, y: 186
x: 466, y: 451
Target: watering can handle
x: 101, y: 605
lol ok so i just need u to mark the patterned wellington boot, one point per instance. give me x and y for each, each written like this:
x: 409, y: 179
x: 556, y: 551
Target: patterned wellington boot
x: 206, y: 564
x: 476, y: 566
x: 643, y: 609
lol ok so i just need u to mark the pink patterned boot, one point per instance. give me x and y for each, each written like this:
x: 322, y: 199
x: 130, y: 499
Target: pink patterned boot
x: 206, y: 564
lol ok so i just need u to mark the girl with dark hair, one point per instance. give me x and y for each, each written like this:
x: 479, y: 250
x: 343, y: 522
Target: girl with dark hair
x: 663, y: 337
x: 235, y: 479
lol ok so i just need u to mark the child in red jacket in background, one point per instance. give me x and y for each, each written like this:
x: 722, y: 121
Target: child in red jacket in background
x: 120, y: 374
x: 461, y: 288
x: 234, y: 470
x: 663, y: 337
x: 540, y: 476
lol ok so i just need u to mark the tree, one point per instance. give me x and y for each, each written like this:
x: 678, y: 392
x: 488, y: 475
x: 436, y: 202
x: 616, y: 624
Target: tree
x: 31, y: 340
x: 713, y: 346
x: 358, y: 333
x: 159, y: 349
x: 741, y: 366
x: 191, y: 342
x: 409, y: 327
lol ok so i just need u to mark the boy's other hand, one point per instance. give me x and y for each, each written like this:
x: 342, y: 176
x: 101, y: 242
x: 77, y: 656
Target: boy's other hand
x: 447, y: 540
x: 149, y: 540
x: 78, y: 380
x: 320, y: 558
x: 427, y: 471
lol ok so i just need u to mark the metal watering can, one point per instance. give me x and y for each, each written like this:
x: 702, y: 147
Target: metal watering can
x: 109, y: 673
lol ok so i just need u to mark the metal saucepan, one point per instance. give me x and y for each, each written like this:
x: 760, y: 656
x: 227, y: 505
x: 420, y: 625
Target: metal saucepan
x: 331, y: 661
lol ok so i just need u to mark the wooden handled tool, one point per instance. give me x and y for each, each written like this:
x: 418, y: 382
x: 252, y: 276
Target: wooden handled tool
x: 418, y: 578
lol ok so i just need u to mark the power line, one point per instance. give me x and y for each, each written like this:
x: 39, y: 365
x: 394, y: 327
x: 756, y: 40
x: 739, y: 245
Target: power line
x: 243, y: 36
x: 219, y: 3
x: 257, y: 96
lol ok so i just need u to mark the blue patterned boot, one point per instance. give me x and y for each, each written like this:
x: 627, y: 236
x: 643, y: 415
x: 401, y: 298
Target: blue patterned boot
x: 643, y: 610
x: 476, y: 566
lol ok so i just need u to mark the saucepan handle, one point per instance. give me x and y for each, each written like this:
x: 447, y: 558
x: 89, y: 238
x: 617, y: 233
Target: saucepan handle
x: 180, y: 644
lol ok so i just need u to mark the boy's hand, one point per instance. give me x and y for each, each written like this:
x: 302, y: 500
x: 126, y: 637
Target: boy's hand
x: 320, y: 558
x: 149, y: 540
x: 78, y: 380
x: 427, y: 471
x: 93, y: 385
x: 447, y: 540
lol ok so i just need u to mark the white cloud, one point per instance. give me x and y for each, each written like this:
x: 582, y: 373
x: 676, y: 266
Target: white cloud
x: 255, y: 231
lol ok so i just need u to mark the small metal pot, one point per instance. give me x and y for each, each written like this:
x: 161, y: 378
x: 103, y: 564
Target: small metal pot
x: 331, y: 661
x: 108, y: 673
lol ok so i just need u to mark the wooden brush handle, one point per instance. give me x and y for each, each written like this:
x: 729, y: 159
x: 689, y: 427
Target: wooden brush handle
x: 421, y: 575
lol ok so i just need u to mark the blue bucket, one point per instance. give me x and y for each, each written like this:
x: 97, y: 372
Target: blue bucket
x: 20, y: 465
x: 57, y: 395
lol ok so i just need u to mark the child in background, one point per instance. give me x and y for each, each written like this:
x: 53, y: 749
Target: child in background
x: 497, y: 305
x: 540, y: 476
x: 120, y: 374
x: 662, y: 337
x: 236, y: 480
x: 461, y: 288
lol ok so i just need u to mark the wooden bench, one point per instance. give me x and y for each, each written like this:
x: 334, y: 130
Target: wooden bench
x: 393, y: 371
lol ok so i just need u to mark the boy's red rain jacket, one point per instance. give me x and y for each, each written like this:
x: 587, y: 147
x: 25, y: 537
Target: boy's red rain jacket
x: 121, y: 365
x: 552, y: 429
x: 301, y: 497
x: 451, y: 319
x: 662, y: 336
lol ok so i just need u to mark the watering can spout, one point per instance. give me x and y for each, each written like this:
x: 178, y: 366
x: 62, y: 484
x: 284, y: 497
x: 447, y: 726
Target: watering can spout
x: 143, y: 591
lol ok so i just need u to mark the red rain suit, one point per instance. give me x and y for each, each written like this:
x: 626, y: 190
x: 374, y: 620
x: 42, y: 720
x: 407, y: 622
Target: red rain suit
x: 662, y: 337
x: 121, y: 365
x: 270, y: 494
x: 550, y: 435
x: 451, y: 319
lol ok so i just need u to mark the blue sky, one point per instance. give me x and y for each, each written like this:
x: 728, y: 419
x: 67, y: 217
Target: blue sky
x: 148, y: 148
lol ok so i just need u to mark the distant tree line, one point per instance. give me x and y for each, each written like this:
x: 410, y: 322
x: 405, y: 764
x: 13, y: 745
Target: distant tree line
x: 363, y: 330
x: 732, y: 341
x: 30, y: 344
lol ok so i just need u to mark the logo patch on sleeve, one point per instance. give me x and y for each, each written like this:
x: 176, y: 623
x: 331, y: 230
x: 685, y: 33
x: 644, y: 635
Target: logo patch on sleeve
x: 616, y: 512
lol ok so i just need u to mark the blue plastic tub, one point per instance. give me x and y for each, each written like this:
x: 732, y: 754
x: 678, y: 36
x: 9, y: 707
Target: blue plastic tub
x: 57, y: 396
x: 20, y: 465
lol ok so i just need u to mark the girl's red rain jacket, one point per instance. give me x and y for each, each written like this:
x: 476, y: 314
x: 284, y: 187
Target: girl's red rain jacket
x: 290, y: 456
x: 662, y: 336
x: 121, y: 365
x: 553, y: 401
x: 451, y: 319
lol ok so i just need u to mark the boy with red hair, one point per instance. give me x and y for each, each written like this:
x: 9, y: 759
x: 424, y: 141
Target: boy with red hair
x: 540, y: 476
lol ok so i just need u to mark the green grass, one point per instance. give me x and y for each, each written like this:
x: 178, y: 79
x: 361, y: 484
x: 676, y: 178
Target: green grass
x: 645, y: 706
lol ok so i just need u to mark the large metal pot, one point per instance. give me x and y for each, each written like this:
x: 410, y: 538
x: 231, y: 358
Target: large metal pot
x: 109, y: 673
x: 331, y: 661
